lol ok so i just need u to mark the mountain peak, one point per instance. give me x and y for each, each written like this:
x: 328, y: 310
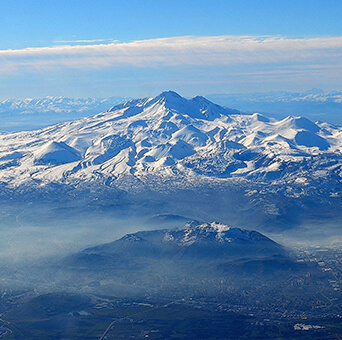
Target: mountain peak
x: 201, y: 99
x: 218, y: 232
x: 209, y: 227
x: 170, y: 99
x: 169, y: 95
x: 197, y: 107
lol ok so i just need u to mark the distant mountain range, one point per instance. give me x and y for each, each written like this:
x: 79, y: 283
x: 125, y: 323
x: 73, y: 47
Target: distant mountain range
x: 33, y: 113
x: 314, y: 104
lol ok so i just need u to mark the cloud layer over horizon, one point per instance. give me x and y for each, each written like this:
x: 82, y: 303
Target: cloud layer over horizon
x: 208, y: 62
x: 178, y: 51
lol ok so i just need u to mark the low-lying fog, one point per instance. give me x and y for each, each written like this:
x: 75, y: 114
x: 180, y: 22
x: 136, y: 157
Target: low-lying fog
x: 33, y: 231
x: 36, y: 236
x: 37, y: 231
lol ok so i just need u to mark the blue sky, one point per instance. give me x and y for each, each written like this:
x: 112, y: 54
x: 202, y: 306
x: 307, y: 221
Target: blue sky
x: 139, y: 48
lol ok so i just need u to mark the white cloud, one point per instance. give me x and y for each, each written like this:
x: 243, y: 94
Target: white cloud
x: 177, y: 51
x: 84, y: 41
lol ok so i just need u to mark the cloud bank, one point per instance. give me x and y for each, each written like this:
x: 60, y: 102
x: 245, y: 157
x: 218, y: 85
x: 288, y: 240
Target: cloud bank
x: 212, y: 51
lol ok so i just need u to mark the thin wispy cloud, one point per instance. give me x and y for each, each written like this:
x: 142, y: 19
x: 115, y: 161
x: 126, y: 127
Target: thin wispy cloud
x: 84, y: 41
x: 176, y: 51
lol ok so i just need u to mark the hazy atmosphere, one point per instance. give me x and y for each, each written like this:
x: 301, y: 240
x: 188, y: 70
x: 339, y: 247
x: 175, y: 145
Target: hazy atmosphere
x: 170, y: 169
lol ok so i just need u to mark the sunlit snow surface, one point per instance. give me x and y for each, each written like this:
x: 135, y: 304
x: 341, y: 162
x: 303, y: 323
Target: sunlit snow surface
x: 170, y: 135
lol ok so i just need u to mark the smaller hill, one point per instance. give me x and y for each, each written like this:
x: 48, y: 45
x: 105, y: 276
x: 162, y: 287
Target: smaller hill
x: 55, y: 153
x: 217, y: 247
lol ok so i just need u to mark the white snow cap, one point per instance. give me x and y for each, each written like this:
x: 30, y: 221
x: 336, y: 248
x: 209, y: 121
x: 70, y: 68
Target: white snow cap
x: 172, y: 136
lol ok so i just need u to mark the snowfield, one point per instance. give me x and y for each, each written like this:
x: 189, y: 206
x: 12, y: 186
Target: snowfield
x: 173, y: 136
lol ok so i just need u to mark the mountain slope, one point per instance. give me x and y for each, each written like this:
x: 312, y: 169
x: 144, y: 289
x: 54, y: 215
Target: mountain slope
x: 170, y: 135
x: 195, y: 254
x: 195, y: 242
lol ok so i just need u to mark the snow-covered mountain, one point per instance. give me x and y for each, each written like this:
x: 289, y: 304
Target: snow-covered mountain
x: 191, y: 256
x: 194, y: 241
x: 172, y: 137
x: 166, y: 262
